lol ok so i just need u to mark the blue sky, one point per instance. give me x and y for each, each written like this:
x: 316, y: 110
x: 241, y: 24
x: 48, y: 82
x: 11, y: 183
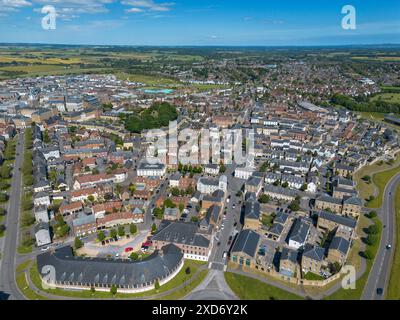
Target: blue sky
x: 201, y: 22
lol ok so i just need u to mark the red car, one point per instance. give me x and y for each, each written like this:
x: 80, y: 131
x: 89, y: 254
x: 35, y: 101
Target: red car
x: 147, y: 244
x: 129, y: 249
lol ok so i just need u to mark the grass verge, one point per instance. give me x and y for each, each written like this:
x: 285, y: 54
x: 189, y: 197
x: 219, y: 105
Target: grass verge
x: 393, y: 292
x: 247, y: 288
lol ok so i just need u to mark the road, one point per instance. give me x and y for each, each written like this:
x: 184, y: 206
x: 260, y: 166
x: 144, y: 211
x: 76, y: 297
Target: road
x: 380, y: 272
x: 7, y: 274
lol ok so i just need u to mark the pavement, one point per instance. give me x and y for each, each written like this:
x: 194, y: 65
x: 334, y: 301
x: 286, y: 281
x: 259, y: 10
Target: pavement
x: 7, y: 275
x: 213, y: 287
x: 380, y: 271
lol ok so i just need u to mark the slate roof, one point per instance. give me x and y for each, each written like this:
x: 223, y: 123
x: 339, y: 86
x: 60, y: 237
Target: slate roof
x: 252, y: 210
x: 289, y: 254
x: 108, y: 271
x: 299, y: 231
x: 276, y: 229
x: 340, y: 244
x: 247, y: 242
x: 182, y: 233
x: 346, y: 221
x: 314, y: 252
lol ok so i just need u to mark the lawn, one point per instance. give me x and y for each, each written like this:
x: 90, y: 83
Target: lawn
x: 180, y: 278
x: 349, y: 294
x: 312, y: 276
x: 182, y: 292
x: 247, y: 288
x: 368, y: 189
x: 20, y: 277
x: 388, y: 97
x: 24, y: 249
x: 381, y: 179
x: 393, y: 292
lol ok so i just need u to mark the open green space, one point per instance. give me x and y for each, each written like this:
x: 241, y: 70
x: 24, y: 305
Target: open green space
x: 247, y: 288
x: 381, y: 179
x: 393, y: 292
x: 179, y: 279
x: 23, y: 286
x: 366, y: 188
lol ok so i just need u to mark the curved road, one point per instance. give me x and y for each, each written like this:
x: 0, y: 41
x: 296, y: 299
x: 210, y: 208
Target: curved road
x: 380, y: 271
x: 7, y: 274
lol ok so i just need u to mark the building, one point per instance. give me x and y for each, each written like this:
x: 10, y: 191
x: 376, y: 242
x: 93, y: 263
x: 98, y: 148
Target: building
x: 299, y: 233
x: 80, y: 273
x: 151, y: 170
x: 210, y: 185
x: 328, y: 202
x: 352, y: 207
x: 312, y: 259
x: 41, y: 213
x: 84, y: 224
x: 252, y: 215
x: 338, y: 250
x: 253, y: 184
x: 42, y: 234
x: 329, y: 221
x: 280, y: 193
x: 244, y: 172
x: 195, y: 245
x: 288, y: 262
x: 244, y: 251
x: 171, y: 214
x: 212, y: 169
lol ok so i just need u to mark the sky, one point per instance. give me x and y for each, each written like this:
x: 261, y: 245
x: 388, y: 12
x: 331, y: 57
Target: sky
x: 201, y: 22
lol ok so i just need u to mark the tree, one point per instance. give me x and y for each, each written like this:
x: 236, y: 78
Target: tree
x: 276, y: 183
x: 181, y: 207
x: 187, y: 270
x: 372, y: 239
x: 169, y: 204
x: 157, y: 285
x: 264, y: 198
x: 134, y: 256
x: 194, y: 219
x: 304, y: 187
x: 373, y: 229
x: 153, y: 228
x: 113, y: 233
x: 121, y: 231
x: 372, y: 214
x: 113, y: 290
x: 3, y: 197
x: 92, y: 290
x: 91, y: 198
x: 27, y: 240
x: 101, y: 236
x: 175, y: 192
x: 285, y: 184
x: 2, y: 228
x: 78, y: 243
x: 132, y: 228
x: 158, y: 213
x: 2, y: 211
x: 222, y: 168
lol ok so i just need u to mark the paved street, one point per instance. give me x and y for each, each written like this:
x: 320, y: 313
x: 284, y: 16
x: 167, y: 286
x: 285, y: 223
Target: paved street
x: 380, y: 272
x: 7, y: 274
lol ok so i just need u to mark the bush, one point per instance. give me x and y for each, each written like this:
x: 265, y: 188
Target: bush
x: 101, y: 236
x: 121, y: 231
x: 27, y: 219
x: 373, y: 229
x: 134, y: 256
x: 133, y: 228
x: 372, y: 239
x: 3, y: 197
x: 78, y: 243
x: 369, y: 254
x: 113, y: 290
x: 2, y: 211
x: 372, y: 214
x: 187, y: 270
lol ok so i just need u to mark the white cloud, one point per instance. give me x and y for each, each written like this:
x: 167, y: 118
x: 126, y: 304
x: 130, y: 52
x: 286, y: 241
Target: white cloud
x: 13, y: 5
x: 147, y: 5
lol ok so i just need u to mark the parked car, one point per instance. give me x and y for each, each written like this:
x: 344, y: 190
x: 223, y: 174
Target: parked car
x: 129, y: 249
x: 379, y: 291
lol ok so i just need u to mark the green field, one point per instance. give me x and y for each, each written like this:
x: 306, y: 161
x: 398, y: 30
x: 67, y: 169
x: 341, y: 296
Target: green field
x: 381, y: 179
x: 389, y: 97
x: 393, y: 292
x: 247, y: 288
x: 377, y: 173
